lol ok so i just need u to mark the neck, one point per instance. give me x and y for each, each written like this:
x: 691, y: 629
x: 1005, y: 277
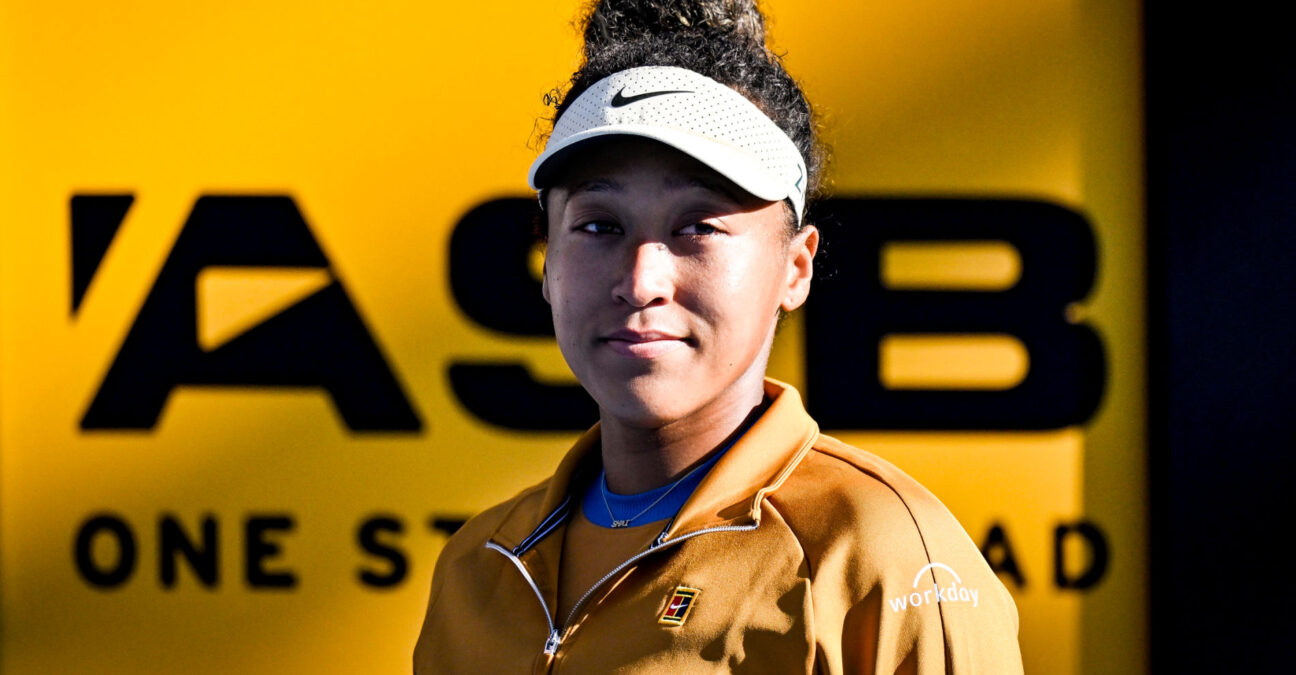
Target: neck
x: 638, y: 458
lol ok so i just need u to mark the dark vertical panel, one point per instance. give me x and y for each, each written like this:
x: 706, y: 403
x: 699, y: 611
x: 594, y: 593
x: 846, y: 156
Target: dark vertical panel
x: 1222, y: 239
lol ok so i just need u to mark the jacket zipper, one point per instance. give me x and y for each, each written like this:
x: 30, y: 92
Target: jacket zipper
x: 551, y: 644
x: 555, y: 635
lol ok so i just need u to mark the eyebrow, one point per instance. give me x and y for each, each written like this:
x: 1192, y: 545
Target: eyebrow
x: 597, y: 185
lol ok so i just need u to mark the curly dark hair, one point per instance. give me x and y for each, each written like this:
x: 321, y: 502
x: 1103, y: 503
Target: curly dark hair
x: 722, y: 39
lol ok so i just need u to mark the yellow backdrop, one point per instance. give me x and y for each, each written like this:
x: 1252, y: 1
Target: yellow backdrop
x: 279, y: 529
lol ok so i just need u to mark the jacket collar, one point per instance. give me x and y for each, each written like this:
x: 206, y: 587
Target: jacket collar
x: 730, y: 495
x: 526, y: 524
x: 757, y: 464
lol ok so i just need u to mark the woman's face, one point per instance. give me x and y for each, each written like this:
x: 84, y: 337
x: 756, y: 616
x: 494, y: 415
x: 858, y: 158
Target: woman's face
x: 666, y: 280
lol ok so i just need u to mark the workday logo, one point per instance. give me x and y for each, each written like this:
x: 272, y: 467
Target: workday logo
x: 954, y: 592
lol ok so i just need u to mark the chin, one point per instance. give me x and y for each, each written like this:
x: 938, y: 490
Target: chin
x: 643, y: 402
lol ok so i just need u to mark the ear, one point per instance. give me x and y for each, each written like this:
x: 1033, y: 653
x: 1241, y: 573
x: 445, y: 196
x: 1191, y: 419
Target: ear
x: 544, y: 280
x: 800, y: 267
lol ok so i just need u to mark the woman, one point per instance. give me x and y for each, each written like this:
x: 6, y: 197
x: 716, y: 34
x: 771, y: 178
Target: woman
x: 704, y: 524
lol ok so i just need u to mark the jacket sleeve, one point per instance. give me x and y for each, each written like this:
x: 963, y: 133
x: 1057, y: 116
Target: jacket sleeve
x: 934, y: 605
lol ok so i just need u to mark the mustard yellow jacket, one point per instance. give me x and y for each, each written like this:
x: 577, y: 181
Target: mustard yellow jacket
x: 796, y: 553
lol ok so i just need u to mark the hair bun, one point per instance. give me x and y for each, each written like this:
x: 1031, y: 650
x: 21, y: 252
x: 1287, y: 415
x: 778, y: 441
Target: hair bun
x: 724, y: 40
x: 611, y: 22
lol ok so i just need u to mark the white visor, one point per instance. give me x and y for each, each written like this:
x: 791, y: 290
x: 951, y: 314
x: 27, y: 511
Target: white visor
x: 691, y: 113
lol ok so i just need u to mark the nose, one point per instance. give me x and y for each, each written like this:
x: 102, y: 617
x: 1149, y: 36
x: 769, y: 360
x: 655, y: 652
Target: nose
x: 647, y: 279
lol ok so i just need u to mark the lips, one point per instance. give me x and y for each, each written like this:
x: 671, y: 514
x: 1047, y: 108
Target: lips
x: 645, y: 344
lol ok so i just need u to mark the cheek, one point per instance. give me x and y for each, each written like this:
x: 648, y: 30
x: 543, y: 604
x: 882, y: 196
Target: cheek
x: 739, y: 293
x: 560, y: 300
x: 570, y: 288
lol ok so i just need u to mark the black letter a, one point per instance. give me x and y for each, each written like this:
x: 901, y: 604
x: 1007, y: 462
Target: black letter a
x: 320, y: 341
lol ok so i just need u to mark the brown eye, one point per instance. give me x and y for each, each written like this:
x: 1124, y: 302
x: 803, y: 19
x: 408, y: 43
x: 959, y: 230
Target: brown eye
x: 700, y: 229
x: 598, y: 227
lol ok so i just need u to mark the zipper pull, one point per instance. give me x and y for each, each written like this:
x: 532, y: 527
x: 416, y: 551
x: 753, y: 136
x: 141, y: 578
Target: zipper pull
x: 551, y: 645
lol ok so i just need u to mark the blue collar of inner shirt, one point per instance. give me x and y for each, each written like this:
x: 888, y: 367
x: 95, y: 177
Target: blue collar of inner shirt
x: 625, y: 506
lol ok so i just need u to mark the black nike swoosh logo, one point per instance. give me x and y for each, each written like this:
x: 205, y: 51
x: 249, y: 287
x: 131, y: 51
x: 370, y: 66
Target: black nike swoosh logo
x: 619, y: 100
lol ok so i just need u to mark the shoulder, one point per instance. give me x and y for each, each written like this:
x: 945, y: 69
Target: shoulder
x: 863, y: 522
x: 838, y: 488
